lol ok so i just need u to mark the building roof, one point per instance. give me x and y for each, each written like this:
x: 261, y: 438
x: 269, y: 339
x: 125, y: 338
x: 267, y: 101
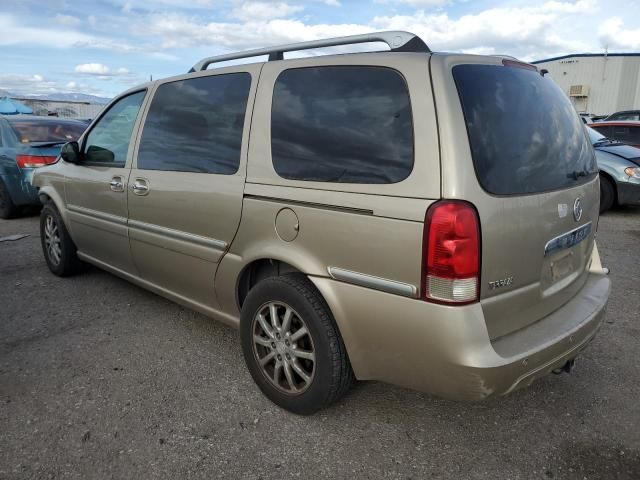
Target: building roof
x: 573, y: 55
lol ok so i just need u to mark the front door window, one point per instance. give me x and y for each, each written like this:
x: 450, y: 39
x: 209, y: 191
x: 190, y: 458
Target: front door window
x: 108, y: 141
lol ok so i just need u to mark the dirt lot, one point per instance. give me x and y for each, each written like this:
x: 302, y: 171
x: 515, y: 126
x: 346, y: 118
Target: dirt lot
x: 100, y: 379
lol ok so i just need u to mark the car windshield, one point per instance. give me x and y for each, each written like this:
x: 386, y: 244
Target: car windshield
x: 594, y: 136
x: 34, y: 131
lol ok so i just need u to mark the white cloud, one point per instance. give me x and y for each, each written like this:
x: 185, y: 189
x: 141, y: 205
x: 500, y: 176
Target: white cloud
x: 258, y: 11
x: 613, y: 35
x: 92, y: 69
x: 100, y: 71
x: 26, y: 84
x: 13, y: 33
x: 416, y: 3
x: 179, y: 32
x: 66, y: 20
x: 332, y: 3
x: 527, y: 32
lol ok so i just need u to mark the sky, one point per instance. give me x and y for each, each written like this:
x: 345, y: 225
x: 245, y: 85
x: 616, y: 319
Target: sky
x: 102, y: 47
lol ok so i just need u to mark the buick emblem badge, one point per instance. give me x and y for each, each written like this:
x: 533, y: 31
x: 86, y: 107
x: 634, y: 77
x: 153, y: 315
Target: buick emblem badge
x: 577, y: 209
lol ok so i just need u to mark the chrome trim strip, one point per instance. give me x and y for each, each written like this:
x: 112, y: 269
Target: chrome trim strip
x: 107, y: 217
x: 369, y: 281
x: 179, y: 235
x: 568, y: 239
x: 324, y: 206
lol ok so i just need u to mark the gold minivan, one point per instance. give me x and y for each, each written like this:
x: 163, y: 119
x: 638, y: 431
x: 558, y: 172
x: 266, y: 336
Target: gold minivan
x: 417, y: 218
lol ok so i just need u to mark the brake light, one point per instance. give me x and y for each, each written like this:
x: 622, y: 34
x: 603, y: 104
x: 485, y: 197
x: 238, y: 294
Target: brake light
x: 451, y: 253
x: 34, y: 161
x: 518, y: 64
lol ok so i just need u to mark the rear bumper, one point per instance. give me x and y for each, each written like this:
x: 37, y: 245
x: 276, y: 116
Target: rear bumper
x: 20, y: 188
x: 446, y: 351
x: 629, y: 193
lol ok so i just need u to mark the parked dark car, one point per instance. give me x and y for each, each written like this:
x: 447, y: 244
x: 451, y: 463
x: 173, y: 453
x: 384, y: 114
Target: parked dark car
x: 623, y: 131
x: 28, y: 142
x: 619, y: 166
x: 633, y: 115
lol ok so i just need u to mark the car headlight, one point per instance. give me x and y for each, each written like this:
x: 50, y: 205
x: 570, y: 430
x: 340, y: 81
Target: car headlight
x: 632, y: 172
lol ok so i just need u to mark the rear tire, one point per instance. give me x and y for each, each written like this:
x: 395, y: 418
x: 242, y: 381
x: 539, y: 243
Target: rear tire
x: 607, y: 194
x: 7, y: 207
x: 294, y: 352
x: 57, y: 246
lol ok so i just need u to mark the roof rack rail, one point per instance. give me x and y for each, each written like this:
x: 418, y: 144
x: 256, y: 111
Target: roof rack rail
x: 398, y: 41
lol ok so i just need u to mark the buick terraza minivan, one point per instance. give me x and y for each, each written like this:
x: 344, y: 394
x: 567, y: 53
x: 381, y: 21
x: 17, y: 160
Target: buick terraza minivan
x: 417, y: 218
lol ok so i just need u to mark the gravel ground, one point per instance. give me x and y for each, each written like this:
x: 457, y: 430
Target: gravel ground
x: 101, y: 379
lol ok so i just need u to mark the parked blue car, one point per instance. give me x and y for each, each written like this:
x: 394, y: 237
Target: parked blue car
x: 28, y: 142
x: 619, y: 166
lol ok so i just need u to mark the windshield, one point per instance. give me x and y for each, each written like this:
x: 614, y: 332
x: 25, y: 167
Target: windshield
x: 594, y: 136
x: 34, y: 131
x: 524, y: 133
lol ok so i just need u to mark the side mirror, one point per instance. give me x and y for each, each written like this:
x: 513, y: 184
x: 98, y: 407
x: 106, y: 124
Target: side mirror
x: 71, y: 152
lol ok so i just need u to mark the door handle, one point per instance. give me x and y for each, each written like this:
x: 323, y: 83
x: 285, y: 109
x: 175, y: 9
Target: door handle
x: 116, y: 184
x: 140, y: 187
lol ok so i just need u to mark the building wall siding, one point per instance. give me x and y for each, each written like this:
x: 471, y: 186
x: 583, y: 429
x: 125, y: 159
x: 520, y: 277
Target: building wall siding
x: 613, y: 81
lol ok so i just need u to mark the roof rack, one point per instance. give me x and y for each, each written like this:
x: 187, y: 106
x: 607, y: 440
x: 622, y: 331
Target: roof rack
x: 398, y: 41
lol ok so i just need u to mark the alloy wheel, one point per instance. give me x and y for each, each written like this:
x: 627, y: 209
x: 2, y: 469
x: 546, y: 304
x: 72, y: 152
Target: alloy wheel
x: 283, y: 347
x: 52, y: 240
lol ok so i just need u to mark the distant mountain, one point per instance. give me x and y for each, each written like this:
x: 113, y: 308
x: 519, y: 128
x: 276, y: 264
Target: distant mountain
x: 70, y: 97
x: 4, y: 93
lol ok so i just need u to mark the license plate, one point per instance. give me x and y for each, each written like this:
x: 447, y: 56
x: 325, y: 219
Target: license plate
x: 562, y: 267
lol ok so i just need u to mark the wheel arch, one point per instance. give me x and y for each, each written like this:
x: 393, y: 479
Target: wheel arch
x: 608, y: 177
x: 48, y: 194
x: 259, y: 269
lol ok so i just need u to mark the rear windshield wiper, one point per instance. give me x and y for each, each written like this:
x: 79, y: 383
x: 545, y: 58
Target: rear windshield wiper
x: 47, y: 144
x: 606, y: 141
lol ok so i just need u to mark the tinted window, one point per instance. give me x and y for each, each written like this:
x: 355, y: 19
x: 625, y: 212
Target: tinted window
x: 525, y: 135
x: 33, y: 131
x: 342, y: 124
x: 196, y: 125
x: 108, y: 141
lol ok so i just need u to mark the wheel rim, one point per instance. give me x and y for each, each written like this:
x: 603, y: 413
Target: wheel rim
x: 283, y: 348
x: 52, y: 240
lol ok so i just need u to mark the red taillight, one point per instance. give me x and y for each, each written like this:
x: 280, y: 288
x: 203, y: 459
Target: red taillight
x: 451, y: 253
x: 34, y: 161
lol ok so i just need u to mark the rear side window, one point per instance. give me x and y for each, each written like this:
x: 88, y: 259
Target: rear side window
x: 342, y: 124
x: 525, y: 135
x: 196, y: 125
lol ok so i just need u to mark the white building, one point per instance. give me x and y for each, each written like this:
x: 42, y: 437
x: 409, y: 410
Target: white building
x: 62, y: 108
x: 597, y: 83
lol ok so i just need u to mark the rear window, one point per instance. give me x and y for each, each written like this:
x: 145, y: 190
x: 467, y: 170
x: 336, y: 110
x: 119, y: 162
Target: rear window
x: 33, y: 131
x: 524, y: 133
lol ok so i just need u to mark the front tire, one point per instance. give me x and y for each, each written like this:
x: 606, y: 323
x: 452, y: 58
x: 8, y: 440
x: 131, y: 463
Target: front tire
x: 7, y: 207
x: 57, y: 246
x: 607, y: 194
x: 292, y: 346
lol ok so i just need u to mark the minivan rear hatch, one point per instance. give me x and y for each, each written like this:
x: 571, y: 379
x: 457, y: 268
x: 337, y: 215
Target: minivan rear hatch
x: 532, y: 175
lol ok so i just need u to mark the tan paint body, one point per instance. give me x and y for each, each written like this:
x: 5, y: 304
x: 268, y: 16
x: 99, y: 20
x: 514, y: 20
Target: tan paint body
x: 192, y: 235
